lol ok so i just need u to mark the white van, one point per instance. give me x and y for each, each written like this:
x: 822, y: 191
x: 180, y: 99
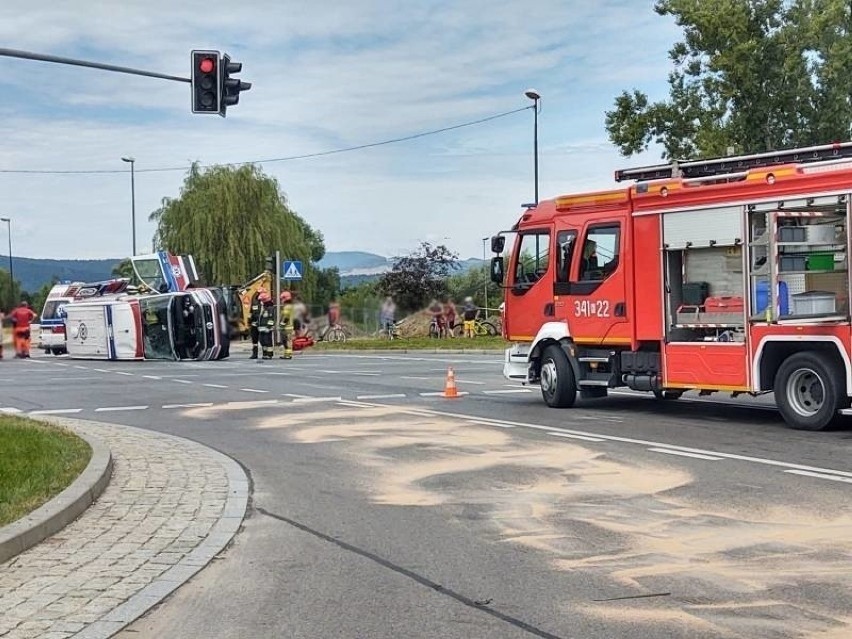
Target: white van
x: 51, y: 335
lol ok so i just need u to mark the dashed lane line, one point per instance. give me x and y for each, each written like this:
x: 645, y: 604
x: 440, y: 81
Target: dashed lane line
x: 254, y: 390
x: 387, y: 396
x: 215, y: 385
x: 314, y: 400
x: 180, y: 381
x: 441, y: 394
x: 105, y: 409
x: 507, y: 391
x: 152, y: 377
x: 197, y: 405
x: 124, y: 373
x: 55, y: 411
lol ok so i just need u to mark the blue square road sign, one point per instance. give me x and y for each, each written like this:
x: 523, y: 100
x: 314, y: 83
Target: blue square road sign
x: 292, y: 270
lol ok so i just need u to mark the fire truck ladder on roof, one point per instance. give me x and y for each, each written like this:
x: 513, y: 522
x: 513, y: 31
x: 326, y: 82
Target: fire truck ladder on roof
x: 735, y: 164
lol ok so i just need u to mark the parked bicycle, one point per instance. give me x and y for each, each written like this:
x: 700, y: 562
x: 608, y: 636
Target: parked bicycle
x: 391, y: 330
x: 481, y: 328
x: 436, y: 329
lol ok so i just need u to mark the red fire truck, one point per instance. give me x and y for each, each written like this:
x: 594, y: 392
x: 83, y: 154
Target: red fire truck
x: 717, y: 275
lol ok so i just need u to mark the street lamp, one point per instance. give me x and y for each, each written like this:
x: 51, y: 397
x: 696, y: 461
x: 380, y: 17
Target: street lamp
x: 8, y: 221
x: 534, y: 95
x: 132, y: 196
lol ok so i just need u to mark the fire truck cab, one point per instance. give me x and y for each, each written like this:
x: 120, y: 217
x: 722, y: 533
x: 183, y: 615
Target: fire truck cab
x: 716, y: 275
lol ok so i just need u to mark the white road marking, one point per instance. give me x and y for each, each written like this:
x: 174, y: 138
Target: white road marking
x: 582, y: 437
x: 123, y: 373
x: 388, y: 396
x: 310, y: 400
x: 82, y: 368
x: 420, y: 378
x: 254, y: 390
x: 819, y: 475
x: 181, y: 381
x: 469, y: 381
x: 199, y: 405
x: 105, y: 409
x: 440, y: 394
x: 10, y: 410
x: 60, y: 364
x: 506, y: 391
x: 681, y: 453
x: 151, y: 377
x: 294, y: 395
x: 364, y: 374
x: 56, y: 411
x: 100, y: 370
x: 215, y: 385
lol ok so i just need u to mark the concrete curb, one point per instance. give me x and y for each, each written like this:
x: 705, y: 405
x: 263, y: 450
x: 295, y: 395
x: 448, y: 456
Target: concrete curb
x: 409, y: 351
x: 217, y: 540
x: 62, y: 509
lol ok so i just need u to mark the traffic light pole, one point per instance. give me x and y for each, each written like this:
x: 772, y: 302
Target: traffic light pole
x: 27, y: 55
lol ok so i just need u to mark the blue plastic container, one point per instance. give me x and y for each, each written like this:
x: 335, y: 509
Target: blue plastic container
x: 761, y: 297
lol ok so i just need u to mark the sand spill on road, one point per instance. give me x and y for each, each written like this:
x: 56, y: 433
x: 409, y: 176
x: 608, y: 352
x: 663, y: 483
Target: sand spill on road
x: 732, y: 571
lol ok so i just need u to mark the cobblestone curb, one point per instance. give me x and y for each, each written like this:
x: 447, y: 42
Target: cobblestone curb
x: 172, y: 506
x: 62, y: 509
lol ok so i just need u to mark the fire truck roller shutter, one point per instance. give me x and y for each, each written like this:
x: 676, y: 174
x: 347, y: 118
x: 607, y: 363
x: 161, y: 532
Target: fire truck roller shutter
x: 721, y: 226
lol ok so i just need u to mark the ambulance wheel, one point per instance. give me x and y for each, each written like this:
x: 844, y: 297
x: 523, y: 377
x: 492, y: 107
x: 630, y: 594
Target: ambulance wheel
x: 807, y: 391
x: 558, y: 386
x: 668, y: 394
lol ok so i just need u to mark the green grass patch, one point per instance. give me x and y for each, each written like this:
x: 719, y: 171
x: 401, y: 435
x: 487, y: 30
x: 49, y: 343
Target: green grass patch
x: 37, y: 462
x: 495, y: 343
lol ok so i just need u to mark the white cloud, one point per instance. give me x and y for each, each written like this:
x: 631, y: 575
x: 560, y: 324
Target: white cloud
x: 325, y: 75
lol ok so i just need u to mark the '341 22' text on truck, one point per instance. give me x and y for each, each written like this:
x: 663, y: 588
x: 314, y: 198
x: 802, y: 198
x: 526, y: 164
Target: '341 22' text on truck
x: 719, y: 275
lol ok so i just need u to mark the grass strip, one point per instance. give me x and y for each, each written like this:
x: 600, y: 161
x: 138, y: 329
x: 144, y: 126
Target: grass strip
x: 37, y: 462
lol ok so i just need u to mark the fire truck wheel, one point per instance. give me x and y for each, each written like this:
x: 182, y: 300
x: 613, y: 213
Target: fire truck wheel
x: 806, y: 391
x: 558, y: 386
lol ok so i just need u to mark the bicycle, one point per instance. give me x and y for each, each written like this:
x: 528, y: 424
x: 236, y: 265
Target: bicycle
x: 481, y: 328
x: 436, y: 329
x: 334, y: 333
x: 391, y: 330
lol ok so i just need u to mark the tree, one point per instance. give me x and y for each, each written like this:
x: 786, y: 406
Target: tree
x: 473, y: 283
x: 750, y: 75
x: 10, y: 292
x: 230, y: 220
x: 123, y: 269
x: 418, y: 277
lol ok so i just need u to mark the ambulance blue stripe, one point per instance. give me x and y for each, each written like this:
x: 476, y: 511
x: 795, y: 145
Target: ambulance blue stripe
x: 167, y: 270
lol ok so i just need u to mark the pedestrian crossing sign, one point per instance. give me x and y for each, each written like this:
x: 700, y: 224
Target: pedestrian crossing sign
x: 292, y: 270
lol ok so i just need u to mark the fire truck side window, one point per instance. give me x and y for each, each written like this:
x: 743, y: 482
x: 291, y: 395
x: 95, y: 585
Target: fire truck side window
x: 600, y: 253
x: 565, y: 249
x: 532, y: 258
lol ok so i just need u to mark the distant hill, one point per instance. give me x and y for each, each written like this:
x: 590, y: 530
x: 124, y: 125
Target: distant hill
x: 354, y: 266
x: 35, y: 273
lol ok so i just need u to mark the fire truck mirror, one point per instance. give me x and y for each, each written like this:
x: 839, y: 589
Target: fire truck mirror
x: 498, y: 242
x: 497, y: 270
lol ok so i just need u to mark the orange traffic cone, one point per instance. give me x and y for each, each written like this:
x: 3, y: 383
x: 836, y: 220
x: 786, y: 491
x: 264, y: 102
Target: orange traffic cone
x: 450, y: 389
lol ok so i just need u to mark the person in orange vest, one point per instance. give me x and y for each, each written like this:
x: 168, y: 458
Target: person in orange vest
x: 21, y: 318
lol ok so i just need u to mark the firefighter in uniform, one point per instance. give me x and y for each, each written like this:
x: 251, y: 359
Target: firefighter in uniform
x: 254, y: 313
x: 288, y: 328
x: 266, y: 324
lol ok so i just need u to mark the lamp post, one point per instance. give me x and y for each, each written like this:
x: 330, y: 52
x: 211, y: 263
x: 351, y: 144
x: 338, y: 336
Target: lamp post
x: 535, y: 96
x: 8, y: 221
x: 132, y: 162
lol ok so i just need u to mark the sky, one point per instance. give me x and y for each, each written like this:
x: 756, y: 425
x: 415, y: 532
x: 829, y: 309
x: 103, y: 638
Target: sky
x: 325, y: 75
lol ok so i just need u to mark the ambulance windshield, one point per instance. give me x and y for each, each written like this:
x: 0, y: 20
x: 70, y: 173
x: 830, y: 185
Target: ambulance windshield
x: 150, y: 273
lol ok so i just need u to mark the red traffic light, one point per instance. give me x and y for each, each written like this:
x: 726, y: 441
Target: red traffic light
x: 207, y: 65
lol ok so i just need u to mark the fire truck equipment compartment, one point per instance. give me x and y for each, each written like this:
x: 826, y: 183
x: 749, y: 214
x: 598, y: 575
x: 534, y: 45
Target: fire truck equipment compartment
x: 724, y: 304
x: 793, y: 263
x: 792, y: 234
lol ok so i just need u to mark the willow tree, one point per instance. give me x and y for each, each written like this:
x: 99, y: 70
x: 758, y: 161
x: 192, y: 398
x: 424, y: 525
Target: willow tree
x: 749, y: 75
x: 230, y: 219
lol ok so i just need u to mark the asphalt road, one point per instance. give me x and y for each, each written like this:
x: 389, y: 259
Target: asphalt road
x: 381, y: 509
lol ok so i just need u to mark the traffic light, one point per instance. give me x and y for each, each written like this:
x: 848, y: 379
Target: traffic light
x: 206, y: 82
x: 230, y: 87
